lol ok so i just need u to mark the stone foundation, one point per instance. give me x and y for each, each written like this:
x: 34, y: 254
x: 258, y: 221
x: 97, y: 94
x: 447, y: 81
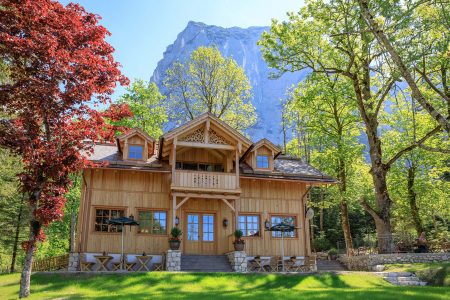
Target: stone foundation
x: 74, y: 262
x: 173, y: 260
x: 238, y: 261
x: 368, y: 262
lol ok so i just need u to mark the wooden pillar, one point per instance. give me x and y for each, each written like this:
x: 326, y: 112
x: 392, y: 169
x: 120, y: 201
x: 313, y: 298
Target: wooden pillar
x: 174, y: 209
x: 237, y: 169
x: 174, y: 158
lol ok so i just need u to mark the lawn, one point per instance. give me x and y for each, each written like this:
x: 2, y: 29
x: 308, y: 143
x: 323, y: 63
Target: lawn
x: 218, y: 286
x: 433, y: 273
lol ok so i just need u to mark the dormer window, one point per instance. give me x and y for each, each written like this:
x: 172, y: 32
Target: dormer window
x: 262, y: 162
x: 135, y: 152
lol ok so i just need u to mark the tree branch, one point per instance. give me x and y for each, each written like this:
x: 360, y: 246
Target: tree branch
x: 412, y: 146
x: 432, y: 86
x: 369, y: 209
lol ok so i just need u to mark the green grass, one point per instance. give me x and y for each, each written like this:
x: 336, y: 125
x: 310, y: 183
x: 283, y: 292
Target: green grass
x: 433, y: 273
x: 215, y: 286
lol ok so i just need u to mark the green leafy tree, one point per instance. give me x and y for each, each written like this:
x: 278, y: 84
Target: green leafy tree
x: 208, y: 82
x: 332, y: 38
x: 13, y: 212
x: 147, y: 105
x: 329, y: 115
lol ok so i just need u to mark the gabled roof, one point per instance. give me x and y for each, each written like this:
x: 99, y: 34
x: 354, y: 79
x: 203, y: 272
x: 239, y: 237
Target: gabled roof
x: 268, y: 144
x: 136, y: 131
x: 202, y: 118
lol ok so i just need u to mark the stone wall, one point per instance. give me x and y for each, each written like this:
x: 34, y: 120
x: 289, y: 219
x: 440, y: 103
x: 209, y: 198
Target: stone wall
x: 74, y: 262
x: 173, y: 260
x: 238, y: 261
x: 368, y: 262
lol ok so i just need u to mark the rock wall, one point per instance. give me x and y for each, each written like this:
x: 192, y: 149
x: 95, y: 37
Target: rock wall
x: 173, y: 260
x: 368, y: 262
x: 238, y: 261
x: 74, y: 262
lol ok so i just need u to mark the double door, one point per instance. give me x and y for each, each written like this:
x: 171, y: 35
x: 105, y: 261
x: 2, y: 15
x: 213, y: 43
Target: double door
x: 200, y: 236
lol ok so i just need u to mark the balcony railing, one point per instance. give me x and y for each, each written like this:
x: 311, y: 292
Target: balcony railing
x: 204, y: 180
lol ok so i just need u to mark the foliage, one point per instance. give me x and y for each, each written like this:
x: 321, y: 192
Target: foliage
x: 225, y: 286
x: 332, y: 38
x: 175, y: 234
x: 238, y: 234
x: 208, y: 82
x: 13, y: 212
x: 58, y: 61
x: 146, y: 103
x: 332, y: 251
x: 321, y: 243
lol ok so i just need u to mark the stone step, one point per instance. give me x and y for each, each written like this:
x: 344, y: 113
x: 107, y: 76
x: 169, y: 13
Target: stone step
x: 329, y: 265
x: 401, y: 278
x: 205, y: 263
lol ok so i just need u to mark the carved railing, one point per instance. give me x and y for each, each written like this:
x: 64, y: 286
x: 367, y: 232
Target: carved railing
x: 205, y: 180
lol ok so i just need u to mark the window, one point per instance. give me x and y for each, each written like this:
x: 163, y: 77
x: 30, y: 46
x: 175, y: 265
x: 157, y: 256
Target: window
x: 208, y: 228
x: 192, y: 227
x: 285, y: 219
x: 135, y: 152
x: 153, y: 222
x: 102, y: 215
x: 249, y: 224
x: 262, y: 162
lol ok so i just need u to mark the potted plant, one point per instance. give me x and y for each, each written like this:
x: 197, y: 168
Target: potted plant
x: 239, y: 242
x: 332, y: 254
x: 174, y: 240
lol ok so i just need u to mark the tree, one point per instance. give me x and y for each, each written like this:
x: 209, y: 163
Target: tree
x: 426, y: 24
x: 331, y: 123
x: 332, y: 38
x: 208, y: 82
x: 13, y: 215
x: 59, y: 64
x: 146, y: 104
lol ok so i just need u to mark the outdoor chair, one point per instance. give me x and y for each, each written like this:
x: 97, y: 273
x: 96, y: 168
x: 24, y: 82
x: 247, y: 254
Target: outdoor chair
x: 309, y: 265
x: 274, y: 264
x: 126, y: 264
x: 85, y: 265
x: 159, y: 266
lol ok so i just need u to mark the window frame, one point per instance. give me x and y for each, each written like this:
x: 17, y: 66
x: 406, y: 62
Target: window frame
x: 136, y: 145
x: 257, y: 161
x: 110, y: 208
x: 215, y: 166
x: 284, y: 215
x: 143, y: 209
x: 248, y: 214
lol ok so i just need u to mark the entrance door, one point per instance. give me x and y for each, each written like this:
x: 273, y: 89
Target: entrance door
x: 200, y: 235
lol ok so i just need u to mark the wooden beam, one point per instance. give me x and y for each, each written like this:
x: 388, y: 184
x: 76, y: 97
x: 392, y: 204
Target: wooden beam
x: 174, y: 209
x: 205, y: 196
x: 208, y: 146
x: 204, y: 190
x: 182, y: 202
x: 174, y: 158
x: 228, y: 204
x: 237, y: 169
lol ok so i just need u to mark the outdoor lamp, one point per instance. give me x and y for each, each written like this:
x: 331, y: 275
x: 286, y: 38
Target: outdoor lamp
x: 177, y: 220
x: 131, y: 217
x: 225, y: 223
x: 266, y: 224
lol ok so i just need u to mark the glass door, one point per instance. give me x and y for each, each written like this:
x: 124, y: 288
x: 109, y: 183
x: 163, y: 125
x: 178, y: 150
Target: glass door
x: 200, y: 233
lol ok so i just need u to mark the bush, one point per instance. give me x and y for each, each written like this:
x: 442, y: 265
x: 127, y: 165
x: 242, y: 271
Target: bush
x: 332, y: 251
x: 175, y: 234
x: 321, y: 243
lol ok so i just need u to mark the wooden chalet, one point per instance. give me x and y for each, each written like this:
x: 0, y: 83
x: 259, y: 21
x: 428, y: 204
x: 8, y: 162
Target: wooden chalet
x: 204, y: 177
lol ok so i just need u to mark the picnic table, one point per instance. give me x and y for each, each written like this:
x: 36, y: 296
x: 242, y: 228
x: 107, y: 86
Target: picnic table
x: 103, y: 261
x: 142, y: 261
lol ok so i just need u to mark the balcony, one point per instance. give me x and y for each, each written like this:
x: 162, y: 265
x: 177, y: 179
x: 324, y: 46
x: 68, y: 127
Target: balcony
x: 197, y: 181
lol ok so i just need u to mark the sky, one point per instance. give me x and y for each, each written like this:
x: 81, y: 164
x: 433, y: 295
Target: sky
x: 142, y: 29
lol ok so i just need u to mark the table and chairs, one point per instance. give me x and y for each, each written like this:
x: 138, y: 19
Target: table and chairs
x: 275, y: 264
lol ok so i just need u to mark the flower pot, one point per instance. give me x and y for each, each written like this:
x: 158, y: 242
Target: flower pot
x: 174, y: 245
x: 239, y: 246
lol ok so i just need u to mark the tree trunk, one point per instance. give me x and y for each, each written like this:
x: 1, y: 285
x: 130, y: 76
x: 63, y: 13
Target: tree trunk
x: 345, y: 222
x: 73, y: 223
x: 413, y: 201
x: 35, y: 228
x: 16, y: 237
x: 321, y: 211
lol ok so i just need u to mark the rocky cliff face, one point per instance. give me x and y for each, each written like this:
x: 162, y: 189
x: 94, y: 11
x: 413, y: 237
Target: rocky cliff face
x: 240, y: 44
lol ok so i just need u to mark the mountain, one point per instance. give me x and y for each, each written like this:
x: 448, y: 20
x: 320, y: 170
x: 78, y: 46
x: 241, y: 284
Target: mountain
x: 240, y: 44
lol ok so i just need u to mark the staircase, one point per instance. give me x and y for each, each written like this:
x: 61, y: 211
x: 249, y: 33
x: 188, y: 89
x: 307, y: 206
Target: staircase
x: 401, y: 278
x: 329, y: 265
x: 205, y: 263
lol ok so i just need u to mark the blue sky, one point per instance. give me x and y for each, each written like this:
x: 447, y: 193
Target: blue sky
x: 142, y: 29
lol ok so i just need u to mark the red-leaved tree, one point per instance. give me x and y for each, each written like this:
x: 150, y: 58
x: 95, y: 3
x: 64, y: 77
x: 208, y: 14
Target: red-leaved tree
x: 60, y: 69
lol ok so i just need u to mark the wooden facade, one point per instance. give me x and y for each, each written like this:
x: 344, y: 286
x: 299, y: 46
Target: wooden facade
x: 192, y: 179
